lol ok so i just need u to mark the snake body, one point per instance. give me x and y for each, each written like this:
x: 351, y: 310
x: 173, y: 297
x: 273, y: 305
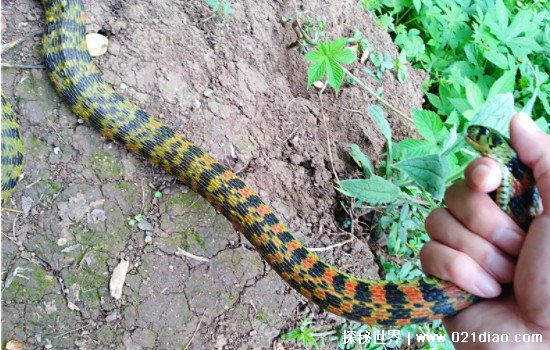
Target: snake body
x: 12, y: 150
x: 77, y: 80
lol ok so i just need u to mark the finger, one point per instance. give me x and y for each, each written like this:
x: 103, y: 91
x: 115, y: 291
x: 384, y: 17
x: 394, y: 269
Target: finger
x: 532, y: 282
x: 532, y: 146
x: 483, y: 175
x: 481, y: 215
x: 451, y: 265
x: 443, y: 227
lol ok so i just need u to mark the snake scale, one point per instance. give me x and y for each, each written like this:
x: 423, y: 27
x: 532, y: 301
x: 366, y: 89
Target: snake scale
x: 78, y: 81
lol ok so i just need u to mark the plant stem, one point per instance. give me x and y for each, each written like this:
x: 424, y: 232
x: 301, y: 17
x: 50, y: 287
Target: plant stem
x: 378, y: 98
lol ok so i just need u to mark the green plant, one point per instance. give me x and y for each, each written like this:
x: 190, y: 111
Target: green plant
x: 136, y: 218
x: 303, y: 334
x: 221, y: 7
x: 473, y: 50
x: 381, y: 62
x: 328, y: 59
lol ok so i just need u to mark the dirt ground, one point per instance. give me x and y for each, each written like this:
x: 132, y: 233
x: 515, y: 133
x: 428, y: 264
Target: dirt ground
x: 234, y: 88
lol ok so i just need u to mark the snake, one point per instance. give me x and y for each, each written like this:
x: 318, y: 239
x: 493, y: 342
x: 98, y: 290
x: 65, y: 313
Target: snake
x: 79, y: 83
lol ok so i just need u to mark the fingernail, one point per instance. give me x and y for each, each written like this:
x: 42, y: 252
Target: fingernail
x: 508, y: 240
x: 480, y: 174
x: 487, y: 286
x: 500, y: 267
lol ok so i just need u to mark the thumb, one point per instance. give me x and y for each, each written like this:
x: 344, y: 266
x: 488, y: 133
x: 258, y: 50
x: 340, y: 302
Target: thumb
x: 532, y: 280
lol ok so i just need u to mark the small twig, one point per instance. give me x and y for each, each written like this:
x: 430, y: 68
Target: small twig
x: 15, y: 241
x: 349, y: 109
x: 12, y: 210
x: 207, y: 18
x: 181, y: 252
x: 329, y: 142
x: 375, y: 95
x: 71, y: 331
x: 23, y: 66
x: 32, y: 184
x: 13, y: 227
x: 142, y: 198
x: 291, y: 135
x: 195, y: 332
x: 55, y: 130
x: 332, y: 246
x: 243, y: 168
x: 16, y: 42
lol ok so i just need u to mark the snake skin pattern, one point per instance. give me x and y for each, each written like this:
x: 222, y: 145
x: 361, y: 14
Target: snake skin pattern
x: 12, y: 150
x: 520, y: 197
x: 78, y: 81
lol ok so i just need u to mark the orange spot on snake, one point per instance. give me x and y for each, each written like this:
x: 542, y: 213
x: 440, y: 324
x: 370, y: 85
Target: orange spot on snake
x: 329, y: 274
x: 308, y: 262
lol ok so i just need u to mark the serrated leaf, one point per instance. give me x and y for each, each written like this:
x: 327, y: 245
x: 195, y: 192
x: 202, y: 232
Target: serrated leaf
x: 412, y: 148
x: 377, y: 115
x: 504, y: 84
x: 430, y: 172
x: 346, y: 56
x: 362, y: 160
x: 328, y: 59
x: 451, y: 142
x: 473, y: 94
x: 374, y: 190
x: 428, y: 124
x: 496, y: 113
x: 335, y: 75
x: 315, y: 72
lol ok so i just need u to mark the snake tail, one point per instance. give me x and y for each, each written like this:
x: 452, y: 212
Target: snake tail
x: 78, y: 81
x: 12, y: 150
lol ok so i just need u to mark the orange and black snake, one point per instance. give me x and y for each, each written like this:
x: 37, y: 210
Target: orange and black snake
x: 78, y: 81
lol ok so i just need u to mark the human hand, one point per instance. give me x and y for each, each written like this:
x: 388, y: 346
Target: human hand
x: 478, y: 247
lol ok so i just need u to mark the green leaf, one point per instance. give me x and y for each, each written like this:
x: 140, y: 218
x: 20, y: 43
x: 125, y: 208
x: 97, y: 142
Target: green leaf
x: 374, y: 190
x: 473, y: 94
x: 345, y: 56
x: 362, y: 160
x: 335, y: 75
x: 504, y: 84
x: 377, y: 115
x: 496, y: 113
x: 315, y: 72
x: 430, y: 172
x: 328, y: 59
x: 498, y: 59
x: 428, y: 124
x: 412, y: 148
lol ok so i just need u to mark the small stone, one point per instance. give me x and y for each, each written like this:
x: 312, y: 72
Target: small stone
x: 221, y: 341
x: 26, y: 204
x: 111, y: 317
x: 145, y: 225
x: 123, y: 86
x: 96, y: 216
x: 50, y: 306
x: 56, y: 150
x: 208, y: 92
x: 117, y: 279
x: 196, y: 104
x: 62, y: 241
x: 253, y: 333
x: 14, y: 345
x: 148, y: 239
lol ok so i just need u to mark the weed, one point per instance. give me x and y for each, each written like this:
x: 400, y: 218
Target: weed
x: 473, y: 50
x: 221, y: 7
